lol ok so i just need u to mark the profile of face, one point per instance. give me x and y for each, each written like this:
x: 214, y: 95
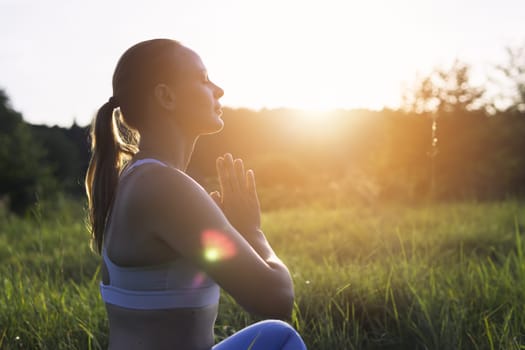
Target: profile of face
x: 195, y: 98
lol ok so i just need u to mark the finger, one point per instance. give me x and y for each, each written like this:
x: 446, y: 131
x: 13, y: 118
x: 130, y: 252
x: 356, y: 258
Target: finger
x: 216, y: 196
x: 223, y: 181
x: 250, y: 177
x: 230, y: 170
x: 241, y: 175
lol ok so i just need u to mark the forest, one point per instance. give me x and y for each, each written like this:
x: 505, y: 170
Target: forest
x: 449, y: 140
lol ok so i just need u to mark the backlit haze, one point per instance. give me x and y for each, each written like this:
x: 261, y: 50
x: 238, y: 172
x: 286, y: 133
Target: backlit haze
x: 57, y: 57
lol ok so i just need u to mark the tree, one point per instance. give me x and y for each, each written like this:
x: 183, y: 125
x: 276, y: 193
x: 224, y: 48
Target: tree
x: 514, y: 75
x: 23, y: 174
x: 63, y: 156
x: 444, y: 90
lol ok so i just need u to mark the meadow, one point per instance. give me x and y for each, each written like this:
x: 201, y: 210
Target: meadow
x: 367, y: 276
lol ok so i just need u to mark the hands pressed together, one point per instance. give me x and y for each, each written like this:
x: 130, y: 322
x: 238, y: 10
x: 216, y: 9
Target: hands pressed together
x: 238, y: 196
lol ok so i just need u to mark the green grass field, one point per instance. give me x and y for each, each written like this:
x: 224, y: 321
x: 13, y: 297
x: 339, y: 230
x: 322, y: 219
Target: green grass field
x: 437, y: 276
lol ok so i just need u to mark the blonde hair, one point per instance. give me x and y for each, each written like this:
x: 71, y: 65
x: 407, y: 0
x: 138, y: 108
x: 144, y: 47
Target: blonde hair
x: 114, y: 131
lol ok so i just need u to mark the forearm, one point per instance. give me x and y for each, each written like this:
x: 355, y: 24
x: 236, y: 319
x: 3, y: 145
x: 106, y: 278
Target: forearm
x: 261, y: 245
x: 281, y: 299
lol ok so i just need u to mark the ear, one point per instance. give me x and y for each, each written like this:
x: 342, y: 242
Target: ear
x: 165, y: 96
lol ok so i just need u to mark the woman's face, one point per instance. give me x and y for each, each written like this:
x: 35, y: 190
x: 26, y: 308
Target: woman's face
x: 197, y: 106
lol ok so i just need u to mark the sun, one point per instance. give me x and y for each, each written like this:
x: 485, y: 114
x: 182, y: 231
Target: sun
x: 357, y: 56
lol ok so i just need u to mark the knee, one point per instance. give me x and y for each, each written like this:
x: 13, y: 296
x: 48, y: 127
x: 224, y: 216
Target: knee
x: 275, y: 325
x: 276, y: 328
x: 281, y: 333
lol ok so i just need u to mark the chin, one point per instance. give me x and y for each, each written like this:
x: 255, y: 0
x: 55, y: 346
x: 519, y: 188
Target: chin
x: 213, y: 128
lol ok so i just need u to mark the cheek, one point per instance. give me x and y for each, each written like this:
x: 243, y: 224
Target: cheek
x: 196, y: 111
x: 198, y: 97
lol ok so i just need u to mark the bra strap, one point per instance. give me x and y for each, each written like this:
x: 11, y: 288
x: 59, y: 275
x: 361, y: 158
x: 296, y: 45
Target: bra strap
x: 140, y: 162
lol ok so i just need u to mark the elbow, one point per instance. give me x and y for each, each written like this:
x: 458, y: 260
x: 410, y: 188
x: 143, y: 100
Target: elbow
x: 269, y: 298
x: 284, y: 307
x: 276, y: 306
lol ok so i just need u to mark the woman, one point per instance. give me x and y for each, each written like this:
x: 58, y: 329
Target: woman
x: 166, y: 244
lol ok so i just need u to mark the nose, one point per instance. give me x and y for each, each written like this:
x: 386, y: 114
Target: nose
x: 218, y: 92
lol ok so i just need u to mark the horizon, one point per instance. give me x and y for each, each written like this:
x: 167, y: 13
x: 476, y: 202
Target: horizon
x: 56, y: 66
x: 309, y: 116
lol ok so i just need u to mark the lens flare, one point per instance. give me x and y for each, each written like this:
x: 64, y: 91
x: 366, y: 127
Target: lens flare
x: 198, y: 280
x: 217, y: 245
x: 212, y: 254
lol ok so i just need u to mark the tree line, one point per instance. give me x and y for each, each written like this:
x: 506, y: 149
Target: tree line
x: 448, y: 141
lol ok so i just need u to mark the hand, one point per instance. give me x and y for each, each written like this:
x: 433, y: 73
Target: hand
x: 238, y: 196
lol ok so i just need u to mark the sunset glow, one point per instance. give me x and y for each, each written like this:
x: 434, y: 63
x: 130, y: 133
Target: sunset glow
x: 313, y: 55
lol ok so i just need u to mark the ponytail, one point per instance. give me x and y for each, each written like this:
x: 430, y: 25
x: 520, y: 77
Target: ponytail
x: 109, y: 152
x: 114, y: 136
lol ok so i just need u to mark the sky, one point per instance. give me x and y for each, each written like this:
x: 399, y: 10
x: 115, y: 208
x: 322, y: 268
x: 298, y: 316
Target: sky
x: 57, y: 56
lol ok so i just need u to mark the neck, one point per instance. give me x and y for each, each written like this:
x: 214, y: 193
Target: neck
x: 169, y: 145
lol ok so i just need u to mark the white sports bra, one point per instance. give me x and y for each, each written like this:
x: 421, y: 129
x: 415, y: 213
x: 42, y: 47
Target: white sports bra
x: 178, y: 284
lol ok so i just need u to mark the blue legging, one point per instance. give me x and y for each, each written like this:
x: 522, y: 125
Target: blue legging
x: 264, y: 335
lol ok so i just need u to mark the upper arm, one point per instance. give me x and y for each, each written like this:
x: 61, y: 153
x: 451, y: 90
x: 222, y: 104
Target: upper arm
x: 191, y: 223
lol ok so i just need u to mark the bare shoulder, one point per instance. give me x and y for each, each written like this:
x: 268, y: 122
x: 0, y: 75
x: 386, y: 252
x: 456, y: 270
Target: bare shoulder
x: 156, y: 187
x: 169, y: 201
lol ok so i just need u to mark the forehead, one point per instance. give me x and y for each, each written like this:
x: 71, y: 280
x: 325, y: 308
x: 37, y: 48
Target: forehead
x: 188, y: 62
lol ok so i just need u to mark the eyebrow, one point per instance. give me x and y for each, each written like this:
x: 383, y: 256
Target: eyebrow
x: 203, y: 72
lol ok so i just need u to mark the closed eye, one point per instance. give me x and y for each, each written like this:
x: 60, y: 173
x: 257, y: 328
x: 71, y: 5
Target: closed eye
x: 205, y: 77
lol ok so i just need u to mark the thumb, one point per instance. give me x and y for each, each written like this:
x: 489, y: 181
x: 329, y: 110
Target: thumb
x: 216, y: 196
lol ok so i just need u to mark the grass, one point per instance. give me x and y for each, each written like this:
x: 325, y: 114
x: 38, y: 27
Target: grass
x: 437, y: 276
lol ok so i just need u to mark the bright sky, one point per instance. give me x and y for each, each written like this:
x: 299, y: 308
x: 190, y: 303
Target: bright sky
x: 57, y: 56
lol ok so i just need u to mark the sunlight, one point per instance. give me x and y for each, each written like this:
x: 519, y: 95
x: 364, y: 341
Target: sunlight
x: 357, y: 55
x: 313, y: 126
x: 298, y: 54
